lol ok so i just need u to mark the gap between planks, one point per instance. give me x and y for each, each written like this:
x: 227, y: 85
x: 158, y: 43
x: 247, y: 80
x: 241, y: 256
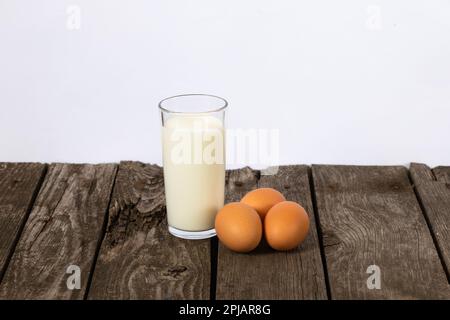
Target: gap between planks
x: 420, y: 175
x: 22, y: 226
x: 101, y: 238
x: 312, y: 189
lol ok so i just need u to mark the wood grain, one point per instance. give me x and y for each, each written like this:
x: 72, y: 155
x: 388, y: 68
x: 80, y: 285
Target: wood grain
x: 421, y: 173
x: 19, y: 184
x: 442, y: 174
x: 139, y: 259
x: 370, y: 216
x: 434, y: 194
x: 63, y: 229
x: 265, y: 273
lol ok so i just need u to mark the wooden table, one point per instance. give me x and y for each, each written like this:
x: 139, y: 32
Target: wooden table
x: 109, y: 220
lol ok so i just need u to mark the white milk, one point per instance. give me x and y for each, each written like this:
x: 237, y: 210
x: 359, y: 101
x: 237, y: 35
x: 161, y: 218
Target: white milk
x: 194, y: 170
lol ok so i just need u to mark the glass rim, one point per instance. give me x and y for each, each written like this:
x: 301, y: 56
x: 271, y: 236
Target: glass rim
x: 225, y: 103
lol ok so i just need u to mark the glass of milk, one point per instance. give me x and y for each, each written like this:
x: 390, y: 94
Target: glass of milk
x: 193, y: 140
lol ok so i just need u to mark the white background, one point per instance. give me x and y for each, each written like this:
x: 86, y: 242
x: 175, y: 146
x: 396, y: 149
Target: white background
x: 351, y: 82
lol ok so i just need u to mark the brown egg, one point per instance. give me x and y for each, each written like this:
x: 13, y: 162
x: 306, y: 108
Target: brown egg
x: 238, y: 227
x: 262, y: 200
x: 286, y: 225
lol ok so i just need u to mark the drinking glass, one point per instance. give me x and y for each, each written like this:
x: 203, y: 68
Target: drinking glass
x: 193, y: 143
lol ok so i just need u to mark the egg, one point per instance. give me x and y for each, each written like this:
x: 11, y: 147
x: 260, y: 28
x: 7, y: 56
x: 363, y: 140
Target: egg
x: 238, y: 227
x: 262, y: 200
x: 286, y: 225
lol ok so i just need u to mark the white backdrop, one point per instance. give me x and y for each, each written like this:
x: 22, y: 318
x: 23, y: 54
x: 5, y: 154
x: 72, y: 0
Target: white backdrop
x: 351, y: 82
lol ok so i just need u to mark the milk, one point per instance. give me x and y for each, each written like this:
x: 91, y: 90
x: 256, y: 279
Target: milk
x: 194, y: 170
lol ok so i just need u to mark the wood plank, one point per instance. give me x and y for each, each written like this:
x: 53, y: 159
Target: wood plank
x: 139, y: 259
x: 434, y: 194
x: 370, y: 216
x: 64, y: 228
x: 420, y: 173
x: 265, y: 273
x: 19, y: 184
x: 442, y: 174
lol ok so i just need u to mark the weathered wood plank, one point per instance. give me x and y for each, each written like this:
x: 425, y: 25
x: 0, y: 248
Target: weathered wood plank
x: 434, y: 194
x: 139, y: 259
x: 420, y: 173
x: 19, y: 184
x: 266, y: 273
x: 442, y: 174
x: 370, y: 216
x: 64, y: 228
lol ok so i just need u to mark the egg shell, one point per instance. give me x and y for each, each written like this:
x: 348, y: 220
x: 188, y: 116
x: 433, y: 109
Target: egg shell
x: 286, y: 225
x: 263, y: 199
x: 238, y: 227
